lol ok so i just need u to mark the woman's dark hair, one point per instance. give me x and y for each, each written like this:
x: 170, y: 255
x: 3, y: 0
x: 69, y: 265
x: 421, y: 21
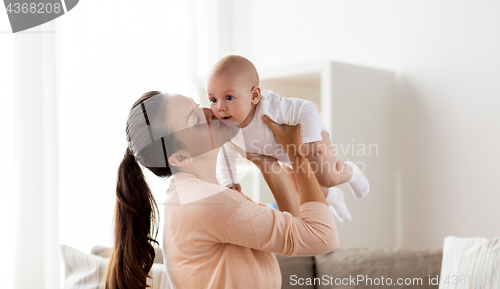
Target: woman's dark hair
x: 136, y: 213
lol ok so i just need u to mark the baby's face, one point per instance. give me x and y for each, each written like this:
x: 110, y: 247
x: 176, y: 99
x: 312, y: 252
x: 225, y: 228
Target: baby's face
x: 230, y: 98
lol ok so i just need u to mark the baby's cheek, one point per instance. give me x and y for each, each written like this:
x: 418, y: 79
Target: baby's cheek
x: 215, y: 113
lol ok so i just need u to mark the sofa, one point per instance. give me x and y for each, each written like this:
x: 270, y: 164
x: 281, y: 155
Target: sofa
x: 354, y: 268
x: 363, y: 268
x: 462, y: 263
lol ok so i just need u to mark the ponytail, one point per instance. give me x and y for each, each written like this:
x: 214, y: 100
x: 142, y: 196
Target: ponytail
x: 135, y: 228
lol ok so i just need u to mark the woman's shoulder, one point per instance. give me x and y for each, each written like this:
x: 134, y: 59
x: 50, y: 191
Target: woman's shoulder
x: 231, y: 198
x: 222, y: 207
x: 200, y: 194
x: 209, y: 216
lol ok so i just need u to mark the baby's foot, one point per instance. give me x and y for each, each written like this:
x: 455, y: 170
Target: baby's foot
x: 335, y: 199
x: 358, y: 183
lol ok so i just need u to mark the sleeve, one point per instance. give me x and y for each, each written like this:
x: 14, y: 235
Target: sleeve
x: 313, y: 232
x: 226, y: 164
x: 292, y: 111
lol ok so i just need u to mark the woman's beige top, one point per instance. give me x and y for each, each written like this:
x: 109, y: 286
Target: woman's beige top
x: 218, y: 238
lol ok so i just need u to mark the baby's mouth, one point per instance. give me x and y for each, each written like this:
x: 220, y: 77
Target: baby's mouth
x: 226, y: 118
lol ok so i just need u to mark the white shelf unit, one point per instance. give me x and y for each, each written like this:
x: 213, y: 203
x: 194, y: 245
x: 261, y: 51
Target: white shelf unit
x: 357, y: 105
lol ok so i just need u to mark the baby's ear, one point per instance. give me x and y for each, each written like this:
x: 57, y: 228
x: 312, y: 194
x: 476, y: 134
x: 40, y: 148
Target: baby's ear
x: 256, y: 94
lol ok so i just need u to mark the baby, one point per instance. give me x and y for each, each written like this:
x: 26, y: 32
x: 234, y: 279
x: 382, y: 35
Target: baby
x: 236, y: 98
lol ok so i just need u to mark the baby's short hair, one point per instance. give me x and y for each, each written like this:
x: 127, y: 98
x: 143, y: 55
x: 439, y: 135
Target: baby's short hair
x: 237, y: 64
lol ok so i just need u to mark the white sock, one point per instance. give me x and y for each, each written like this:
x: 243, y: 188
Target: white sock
x: 358, y: 183
x: 335, y: 199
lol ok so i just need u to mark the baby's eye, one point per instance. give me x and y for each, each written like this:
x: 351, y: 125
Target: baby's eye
x: 213, y: 100
x: 229, y: 97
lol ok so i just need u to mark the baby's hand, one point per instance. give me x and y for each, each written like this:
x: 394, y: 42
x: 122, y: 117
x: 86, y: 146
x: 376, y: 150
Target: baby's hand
x: 235, y: 187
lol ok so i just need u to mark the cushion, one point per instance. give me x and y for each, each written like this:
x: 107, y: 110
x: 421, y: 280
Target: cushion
x: 470, y: 263
x: 105, y: 253
x: 378, y: 268
x: 88, y: 271
x: 293, y: 268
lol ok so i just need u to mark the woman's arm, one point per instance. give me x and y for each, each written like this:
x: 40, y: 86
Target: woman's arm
x: 291, y: 139
x: 312, y: 232
x: 276, y: 178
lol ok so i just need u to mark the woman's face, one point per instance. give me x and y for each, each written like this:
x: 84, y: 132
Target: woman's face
x: 196, y: 127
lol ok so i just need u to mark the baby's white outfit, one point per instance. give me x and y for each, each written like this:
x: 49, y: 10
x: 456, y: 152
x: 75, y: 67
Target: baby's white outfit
x: 257, y: 138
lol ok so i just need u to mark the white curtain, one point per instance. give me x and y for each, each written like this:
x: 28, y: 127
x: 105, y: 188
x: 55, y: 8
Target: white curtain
x: 30, y: 253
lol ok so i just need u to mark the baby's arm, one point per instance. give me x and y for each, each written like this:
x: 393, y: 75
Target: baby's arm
x: 227, y: 160
x: 292, y: 111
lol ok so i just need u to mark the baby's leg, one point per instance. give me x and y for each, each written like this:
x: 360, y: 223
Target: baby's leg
x: 328, y: 170
x: 335, y: 199
x: 331, y: 172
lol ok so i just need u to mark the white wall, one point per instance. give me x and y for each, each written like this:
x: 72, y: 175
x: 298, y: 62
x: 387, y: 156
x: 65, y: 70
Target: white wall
x: 108, y: 60
x: 446, y: 56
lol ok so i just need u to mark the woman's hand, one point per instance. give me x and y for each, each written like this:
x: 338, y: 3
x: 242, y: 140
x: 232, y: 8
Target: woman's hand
x: 290, y: 137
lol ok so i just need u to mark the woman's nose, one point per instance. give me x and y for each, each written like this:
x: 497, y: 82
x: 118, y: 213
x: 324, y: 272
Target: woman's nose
x: 209, y: 115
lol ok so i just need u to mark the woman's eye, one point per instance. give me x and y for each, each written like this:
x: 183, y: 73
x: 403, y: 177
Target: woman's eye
x: 197, y: 120
x: 229, y: 97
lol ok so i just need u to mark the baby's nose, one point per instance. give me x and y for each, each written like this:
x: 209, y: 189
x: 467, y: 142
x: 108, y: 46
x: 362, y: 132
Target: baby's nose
x: 221, y: 107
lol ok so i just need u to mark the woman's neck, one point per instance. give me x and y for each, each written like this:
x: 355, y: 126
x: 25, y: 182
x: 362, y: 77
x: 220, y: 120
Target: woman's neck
x: 207, y: 174
x: 203, y: 167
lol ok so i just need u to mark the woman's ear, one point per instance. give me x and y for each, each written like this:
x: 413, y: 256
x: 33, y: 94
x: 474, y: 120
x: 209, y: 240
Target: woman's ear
x: 179, y: 159
x: 255, y: 94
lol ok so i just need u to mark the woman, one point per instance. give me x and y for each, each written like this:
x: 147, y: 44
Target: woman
x: 214, y: 237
